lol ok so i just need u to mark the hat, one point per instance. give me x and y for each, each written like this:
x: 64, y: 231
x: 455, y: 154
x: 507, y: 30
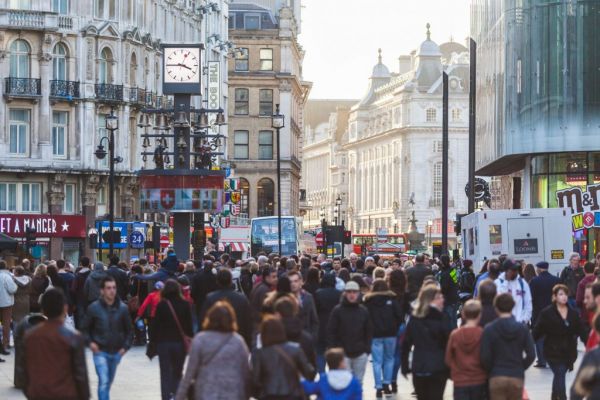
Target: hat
x: 542, y: 265
x: 369, y: 259
x: 159, y: 285
x: 510, y: 264
x: 351, y: 286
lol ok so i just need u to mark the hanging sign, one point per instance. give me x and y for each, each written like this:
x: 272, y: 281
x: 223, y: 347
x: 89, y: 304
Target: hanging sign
x: 585, y: 206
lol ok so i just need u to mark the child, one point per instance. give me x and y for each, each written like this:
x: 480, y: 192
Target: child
x: 462, y: 355
x: 338, y: 384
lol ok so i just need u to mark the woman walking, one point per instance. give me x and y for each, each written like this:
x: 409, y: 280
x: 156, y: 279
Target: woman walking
x: 560, y: 326
x: 22, y: 296
x: 397, y: 283
x: 38, y: 286
x: 427, y: 331
x: 277, y: 366
x: 218, y: 365
x: 172, y: 327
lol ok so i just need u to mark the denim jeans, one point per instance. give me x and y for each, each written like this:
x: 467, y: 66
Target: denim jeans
x: 398, y: 351
x: 476, y: 392
x: 452, y: 311
x: 382, y: 356
x: 539, y: 350
x: 559, y: 386
x: 171, y: 356
x: 358, y: 365
x: 106, y: 368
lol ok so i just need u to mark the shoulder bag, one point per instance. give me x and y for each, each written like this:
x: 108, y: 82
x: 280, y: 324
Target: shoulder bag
x: 134, y: 303
x: 187, y: 341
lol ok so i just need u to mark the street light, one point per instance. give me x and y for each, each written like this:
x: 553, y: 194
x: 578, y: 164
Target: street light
x: 429, y: 229
x: 338, y: 204
x: 112, y: 124
x: 278, y: 122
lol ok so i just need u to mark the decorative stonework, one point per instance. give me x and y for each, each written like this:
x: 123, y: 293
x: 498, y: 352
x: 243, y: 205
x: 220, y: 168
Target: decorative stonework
x: 56, y: 195
x: 89, y: 194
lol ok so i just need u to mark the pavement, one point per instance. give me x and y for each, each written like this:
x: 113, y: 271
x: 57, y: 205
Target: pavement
x: 138, y: 378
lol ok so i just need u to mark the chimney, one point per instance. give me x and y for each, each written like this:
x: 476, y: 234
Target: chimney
x: 405, y: 64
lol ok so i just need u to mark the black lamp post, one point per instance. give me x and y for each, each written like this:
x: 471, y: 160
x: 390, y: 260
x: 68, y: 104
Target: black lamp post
x: 338, y: 205
x: 278, y: 122
x: 112, y: 124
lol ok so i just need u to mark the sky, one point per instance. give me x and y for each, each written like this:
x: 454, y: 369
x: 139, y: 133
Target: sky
x: 341, y: 38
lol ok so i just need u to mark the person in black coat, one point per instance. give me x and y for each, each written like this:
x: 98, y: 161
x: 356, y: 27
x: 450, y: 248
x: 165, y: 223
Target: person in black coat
x: 326, y: 298
x: 448, y: 278
x: 541, y: 295
x: 427, y: 334
x: 238, y: 302
x: 560, y: 326
x: 287, y: 309
x: 203, y: 283
x: 415, y: 276
x: 120, y: 277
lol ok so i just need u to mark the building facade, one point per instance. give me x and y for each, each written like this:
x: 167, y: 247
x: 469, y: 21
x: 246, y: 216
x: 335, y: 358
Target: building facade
x: 66, y: 64
x: 394, y: 142
x: 267, y: 70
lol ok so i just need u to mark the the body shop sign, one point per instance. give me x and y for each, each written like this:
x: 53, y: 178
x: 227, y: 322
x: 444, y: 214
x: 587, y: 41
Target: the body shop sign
x: 46, y: 225
x: 585, y: 206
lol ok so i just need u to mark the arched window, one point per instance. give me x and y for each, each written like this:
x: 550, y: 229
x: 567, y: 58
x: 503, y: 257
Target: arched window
x: 105, y: 66
x: 431, y: 115
x: 19, y: 59
x: 265, y: 199
x: 245, y: 196
x: 133, y: 70
x: 59, y: 62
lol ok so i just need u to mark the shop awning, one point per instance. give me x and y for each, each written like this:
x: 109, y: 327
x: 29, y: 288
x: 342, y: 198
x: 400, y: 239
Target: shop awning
x: 8, y: 243
x: 235, y: 246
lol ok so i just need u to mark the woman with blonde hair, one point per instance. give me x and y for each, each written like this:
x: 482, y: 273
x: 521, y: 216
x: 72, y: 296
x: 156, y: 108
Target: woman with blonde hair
x: 426, y: 336
x: 39, y: 284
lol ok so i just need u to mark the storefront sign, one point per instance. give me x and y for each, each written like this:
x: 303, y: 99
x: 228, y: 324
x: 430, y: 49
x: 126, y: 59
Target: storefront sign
x: 584, y: 205
x: 181, y: 193
x: 214, y: 85
x: 557, y: 254
x: 46, y: 225
x: 526, y: 246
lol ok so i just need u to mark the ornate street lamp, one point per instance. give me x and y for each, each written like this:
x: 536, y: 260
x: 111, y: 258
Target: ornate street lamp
x: 278, y: 122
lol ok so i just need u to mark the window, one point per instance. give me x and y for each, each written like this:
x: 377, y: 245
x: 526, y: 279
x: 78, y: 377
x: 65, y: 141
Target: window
x: 456, y: 115
x: 266, y: 59
x: 133, y: 70
x: 437, y: 146
x: 265, y: 145
x: 265, y: 197
x: 437, y: 184
x: 69, y: 204
x: 105, y: 66
x: 431, y: 115
x: 241, y: 60
x: 19, y: 59
x: 240, y: 145
x: 266, y: 102
x: 251, y: 22
x: 20, y: 4
x: 59, y: 62
x: 241, y: 101
x: 60, y: 6
x: 19, y: 131
x: 60, y: 125
x: 30, y: 197
x: 245, y: 197
x: 8, y: 197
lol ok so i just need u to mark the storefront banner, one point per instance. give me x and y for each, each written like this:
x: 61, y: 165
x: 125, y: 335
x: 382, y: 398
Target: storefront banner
x: 46, y: 225
x: 584, y: 205
x: 181, y: 193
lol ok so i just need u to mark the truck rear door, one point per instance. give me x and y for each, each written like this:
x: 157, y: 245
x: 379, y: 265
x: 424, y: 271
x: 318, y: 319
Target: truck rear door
x: 526, y: 238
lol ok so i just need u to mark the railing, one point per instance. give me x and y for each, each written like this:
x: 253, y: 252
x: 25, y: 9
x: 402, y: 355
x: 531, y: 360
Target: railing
x: 64, y: 89
x: 65, y: 22
x: 37, y: 20
x: 108, y: 92
x: 22, y: 87
x: 137, y: 96
x: 163, y: 102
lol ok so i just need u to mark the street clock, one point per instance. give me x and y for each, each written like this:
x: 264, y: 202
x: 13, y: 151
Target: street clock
x: 182, y: 69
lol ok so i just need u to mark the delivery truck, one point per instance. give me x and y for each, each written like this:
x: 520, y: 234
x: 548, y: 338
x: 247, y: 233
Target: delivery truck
x: 540, y: 234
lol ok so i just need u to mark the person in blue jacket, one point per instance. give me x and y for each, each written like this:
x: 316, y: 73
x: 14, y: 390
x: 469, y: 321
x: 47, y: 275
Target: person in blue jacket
x: 338, y: 383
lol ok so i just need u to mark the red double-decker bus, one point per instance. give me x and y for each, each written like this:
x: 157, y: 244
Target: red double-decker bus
x: 370, y: 244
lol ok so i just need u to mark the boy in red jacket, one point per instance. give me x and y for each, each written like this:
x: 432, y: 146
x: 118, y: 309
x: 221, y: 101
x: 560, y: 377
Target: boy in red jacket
x: 462, y: 356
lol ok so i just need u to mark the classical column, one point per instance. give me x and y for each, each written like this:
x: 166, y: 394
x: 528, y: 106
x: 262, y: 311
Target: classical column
x: 42, y: 138
x: 89, y: 194
x: 56, y: 199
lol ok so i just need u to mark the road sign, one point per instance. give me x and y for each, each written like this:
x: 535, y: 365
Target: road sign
x: 164, y: 241
x: 136, y: 240
x: 319, y: 239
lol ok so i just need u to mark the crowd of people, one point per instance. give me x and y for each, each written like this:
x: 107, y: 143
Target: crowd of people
x: 277, y: 328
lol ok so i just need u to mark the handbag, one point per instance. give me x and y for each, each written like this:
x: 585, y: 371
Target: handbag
x: 133, y: 305
x: 187, y: 341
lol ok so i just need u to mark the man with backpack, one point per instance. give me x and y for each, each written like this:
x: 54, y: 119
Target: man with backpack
x: 510, y: 282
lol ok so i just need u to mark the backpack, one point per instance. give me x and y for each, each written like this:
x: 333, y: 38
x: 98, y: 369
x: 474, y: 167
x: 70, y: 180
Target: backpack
x: 466, y: 282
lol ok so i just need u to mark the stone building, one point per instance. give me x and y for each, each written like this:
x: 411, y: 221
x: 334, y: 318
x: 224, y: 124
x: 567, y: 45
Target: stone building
x: 65, y: 65
x: 266, y: 71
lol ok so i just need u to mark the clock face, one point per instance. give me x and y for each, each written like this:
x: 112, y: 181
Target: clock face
x: 182, y: 65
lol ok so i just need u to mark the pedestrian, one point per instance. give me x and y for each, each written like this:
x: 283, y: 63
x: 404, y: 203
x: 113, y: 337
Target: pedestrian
x: 541, y: 295
x: 448, y: 278
x: 560, y: 326
x: 463, y: 355
x: 55, y: 366
x: 277, y: 365
x: 386, y: 316
x: 39, y: 284
x: 415, y: 276
x: 426, y: 336
x: 21, y: 306
x: 507, y: 350
x: 326, y: 298
x: 492, y: 272
x: 593, y: 338
x: 288, y: 309
x: 108, y: 331
x: 77, y: 288
x: 203, y: 283
x: 93, y: 283
x: 397, y: 284
x: 312, y: 280
x: 350, y: 328
x: 8, y: 288
x: 30, y: 320
x: 487, y: 294
x: 510, y: 282
x: 529, y: 272
x: 589, y: 269
x: 217, y: 367
x: 172, y: 326
x: 308, y: 312
x: 120, y: 277
x: 238, y: 301
x: 338, y: 383
x: 586, y: 384
x: 571, y: 275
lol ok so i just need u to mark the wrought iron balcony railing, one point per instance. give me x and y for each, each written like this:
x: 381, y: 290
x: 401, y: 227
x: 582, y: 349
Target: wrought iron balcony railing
x: 64, y: 89
x: 35, y: 20
x: 108, y: 92
x: 137, y: 96
x: 22, y: 87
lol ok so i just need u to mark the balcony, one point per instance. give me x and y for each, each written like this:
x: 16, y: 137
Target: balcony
x: 137, y: 97
x: 34, y: 20
x: 22, y: 88
x: 437, y: 202
x: 67, y: 90
x: 108, y: 93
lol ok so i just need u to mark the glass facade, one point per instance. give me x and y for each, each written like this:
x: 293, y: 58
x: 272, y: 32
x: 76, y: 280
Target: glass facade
x: 537, y: 77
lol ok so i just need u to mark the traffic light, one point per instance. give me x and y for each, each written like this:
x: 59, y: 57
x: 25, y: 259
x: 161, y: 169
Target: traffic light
x: 156, y: 236
x: 457, y: 224
x: 30, y: 237
x: 347, y: 237
x: 111, y: 236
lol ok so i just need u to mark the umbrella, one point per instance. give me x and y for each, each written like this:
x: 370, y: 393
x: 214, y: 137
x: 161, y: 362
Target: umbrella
x: 7, y: 243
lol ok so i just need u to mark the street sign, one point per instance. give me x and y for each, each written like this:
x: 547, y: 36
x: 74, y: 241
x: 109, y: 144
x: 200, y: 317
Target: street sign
x: 136, y: 240
x: 164, y: 241
x: 319, y: 239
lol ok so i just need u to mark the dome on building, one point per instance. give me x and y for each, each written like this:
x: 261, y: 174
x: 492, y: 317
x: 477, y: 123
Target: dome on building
x: 380, y: 70
x: 429, y: 48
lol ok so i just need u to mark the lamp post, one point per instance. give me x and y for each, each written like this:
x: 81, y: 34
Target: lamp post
x: 429, y: 229
x: 323, y: 228
x: 278, y: 122
x: 338, y: 204
x: 112, y: 124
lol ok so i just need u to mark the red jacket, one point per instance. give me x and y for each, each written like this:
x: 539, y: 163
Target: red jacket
x: 462, y: 356
x: 151, y: 300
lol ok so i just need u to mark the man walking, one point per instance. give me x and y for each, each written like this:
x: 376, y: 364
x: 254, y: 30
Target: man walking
x: 541, y: 296
x: 415, y: 276
x: 8, y: 288
x: 120, y: 277
x: 350, y: 328
x: 570, y: 276
x: 108, y: 331
x: 510, y: 282
x: 308, y: 311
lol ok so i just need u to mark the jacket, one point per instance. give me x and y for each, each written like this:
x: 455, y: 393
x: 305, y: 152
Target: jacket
x: 488, y: 314
x: 463, y: 358
x: 55, y: 363
x: 571, y: 278
x: 240, y: 305
x: 560, y: 339
x: 502, y: 346
x: 171, y: 264
x: 257, y: 297
x: 67, y: 278
x: 78, y: 285
x: 276, y: 374
x: 21, y: 329
x: 21, y: 305
x: 38, y: 286
x: 448, y: 279
x: 161, y: 275
x: 350, y: 328
x: 151, y: 301
x: 203, y: 283
x: 165, y: 327
x: 109, y: 327
x: 385, y: 312
x: 8, y: 288
x: 121, y: 279
x: 414, y: 277
x: 428, y: 336
x: 325, y: 301
x: 541, y: 292
x: 308, y: 314
x: 295, y: 333
x: 588, y: 375
x: 338, y: 384
x: 217, y: 367
x: 519, y: 289
x: 91, y: 289
x: 581, y: 293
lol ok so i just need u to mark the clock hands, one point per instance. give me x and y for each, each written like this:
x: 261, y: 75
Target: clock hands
x: 179, y: 65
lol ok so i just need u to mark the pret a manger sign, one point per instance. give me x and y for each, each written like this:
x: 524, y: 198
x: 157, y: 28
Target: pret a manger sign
x: 584, y: 205
x: 15, y: 225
